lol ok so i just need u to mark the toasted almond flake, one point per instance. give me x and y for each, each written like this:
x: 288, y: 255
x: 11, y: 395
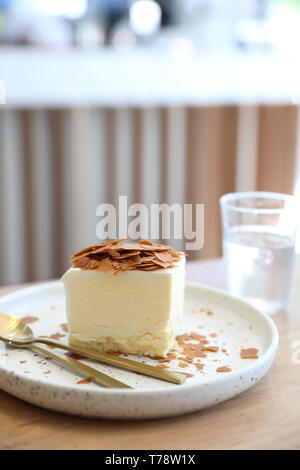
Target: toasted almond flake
x: 57, y: 336
x: 187, y: 374
x: 183, y: 337
x: 165, y: 257
x: 29, y: 319
x: 223, y: 369
x: 47, y: 372
x: 83, y: 381
x: 189, y: 359
x: 118, y: 257
x: 199, y: 366
x: 196, y: 336
x: 23, y: 362
x: 64, y: 327
x: 211, y: 348
x: 162, y: 366
x: 99, y: 245
x: 250, y: 353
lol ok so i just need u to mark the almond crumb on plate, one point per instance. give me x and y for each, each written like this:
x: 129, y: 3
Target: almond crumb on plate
x: 223, y: 369
x: 211, y: 348
x: 29, y: 319
x: 187, y: 374
x: 250, y: 353
x: 183, y: 365
x: 83, y: 381
x: 64, y: 327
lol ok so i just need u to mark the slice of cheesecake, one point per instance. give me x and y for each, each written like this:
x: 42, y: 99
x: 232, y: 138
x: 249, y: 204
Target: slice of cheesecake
x: 125, y: 297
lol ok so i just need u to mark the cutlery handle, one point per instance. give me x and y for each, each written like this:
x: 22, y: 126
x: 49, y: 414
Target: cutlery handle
x: 122, y: 363
x: 81, y: 368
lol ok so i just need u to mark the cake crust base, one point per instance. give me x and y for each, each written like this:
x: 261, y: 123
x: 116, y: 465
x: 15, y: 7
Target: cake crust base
x: 136, y: 349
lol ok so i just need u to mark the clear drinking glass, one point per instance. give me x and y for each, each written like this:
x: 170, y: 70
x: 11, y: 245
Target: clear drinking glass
x: 259, y: 231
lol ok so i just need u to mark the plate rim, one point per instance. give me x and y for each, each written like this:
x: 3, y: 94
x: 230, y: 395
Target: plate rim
x: 221, y: 379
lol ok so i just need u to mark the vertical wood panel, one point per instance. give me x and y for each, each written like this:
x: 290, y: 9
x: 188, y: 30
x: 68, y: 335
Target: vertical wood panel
x: 124, y: 148
x: 211, y: 164
x: 176, y: 156
x: 98, y: 177
x: 39, y: 194
x: 297, y: 176
x: 137, y: 149
x: 164, y: 151
x: 151, y: 164
x: 277, y: 148
x: 44, y: 209
x: 2, y: 201
x: 174, y: 182
x: 247, y: 137
x: 27, y: 140
x: 79, y: 213
x: 57, y: 132
x: 151, y: 156
x: 111, y: 154
x: 13, y: 236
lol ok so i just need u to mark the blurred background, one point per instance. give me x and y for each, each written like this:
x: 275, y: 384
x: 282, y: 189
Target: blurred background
x: 162, y: 101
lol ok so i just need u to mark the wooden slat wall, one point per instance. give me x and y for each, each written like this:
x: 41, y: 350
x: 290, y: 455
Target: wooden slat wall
x: 211, y: 163
x: 277, y: 148
x: 57, y: 133
x: 12, y: 190
x: 57, y: 166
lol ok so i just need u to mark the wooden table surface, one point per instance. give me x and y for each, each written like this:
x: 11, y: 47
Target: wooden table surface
x: 265, y: 417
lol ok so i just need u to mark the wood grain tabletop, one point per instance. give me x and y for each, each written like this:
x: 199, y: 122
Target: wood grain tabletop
x: 265, y: 417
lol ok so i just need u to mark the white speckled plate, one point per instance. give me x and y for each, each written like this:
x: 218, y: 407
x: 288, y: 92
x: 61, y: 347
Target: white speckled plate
x: 42, y: 382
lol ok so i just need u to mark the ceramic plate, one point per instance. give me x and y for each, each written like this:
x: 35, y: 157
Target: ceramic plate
x: 229, y: 323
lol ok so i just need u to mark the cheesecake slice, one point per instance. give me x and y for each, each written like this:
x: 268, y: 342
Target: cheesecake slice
x: 125, y: 297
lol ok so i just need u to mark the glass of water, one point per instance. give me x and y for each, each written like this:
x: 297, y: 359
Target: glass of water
x: 259, y: 231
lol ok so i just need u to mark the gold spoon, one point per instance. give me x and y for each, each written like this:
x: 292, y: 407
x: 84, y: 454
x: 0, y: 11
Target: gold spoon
x: 18, y: 332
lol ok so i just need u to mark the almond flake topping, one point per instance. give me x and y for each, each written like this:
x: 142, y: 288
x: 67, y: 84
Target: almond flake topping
x: 115, y: 256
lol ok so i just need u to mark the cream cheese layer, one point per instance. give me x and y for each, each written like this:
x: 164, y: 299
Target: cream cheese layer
x: 136, y: 311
